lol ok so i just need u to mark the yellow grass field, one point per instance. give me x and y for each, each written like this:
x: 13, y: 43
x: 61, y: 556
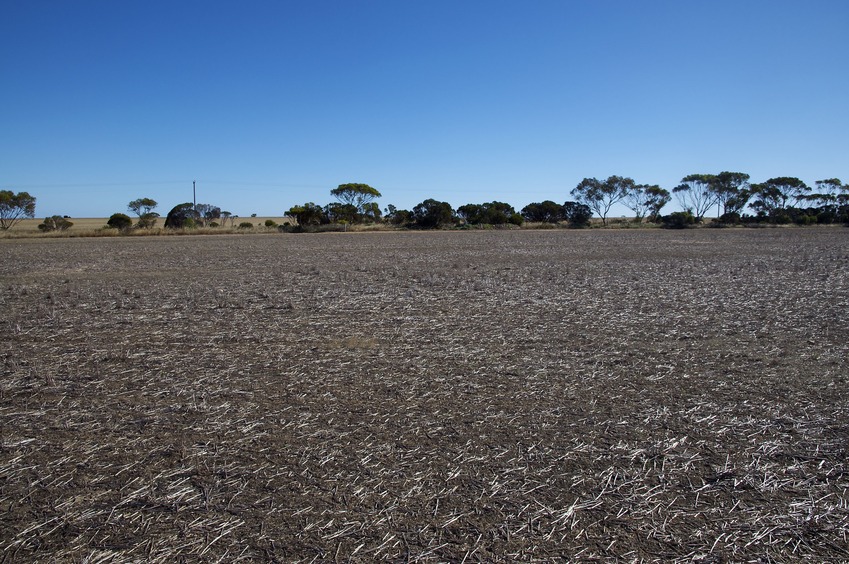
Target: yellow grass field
x: 88, y: 224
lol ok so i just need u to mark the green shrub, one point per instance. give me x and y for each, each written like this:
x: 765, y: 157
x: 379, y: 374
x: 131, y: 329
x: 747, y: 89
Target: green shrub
x: 120, y: 221
x: 678, y: 220
x: 246, y: 225
x: 147, y: 220
x: 270, y: 223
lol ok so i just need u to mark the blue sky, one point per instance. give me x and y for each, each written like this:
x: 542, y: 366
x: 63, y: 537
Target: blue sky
x: 267, y: 104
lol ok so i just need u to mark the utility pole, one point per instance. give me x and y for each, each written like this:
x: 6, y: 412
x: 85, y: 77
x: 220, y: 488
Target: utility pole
x: 194, y: 196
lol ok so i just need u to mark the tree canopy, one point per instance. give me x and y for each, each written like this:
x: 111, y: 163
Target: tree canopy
x: 182, y: 215
x: 543, y: 212
x: 645, y: 200
x: 142, y: 206
x: 600, y: 196
x: 355, y: 194
x: 14, y: 207
x: 432, y: 214
x: 696, y: 194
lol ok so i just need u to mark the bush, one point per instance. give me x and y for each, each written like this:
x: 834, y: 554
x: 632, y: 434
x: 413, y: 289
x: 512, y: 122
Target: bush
x: 730, y: 218
x: 147, y: 220
x: 678, y: 220
x: 55, y: 223
x: 578, y: 215
x: 246, y: 225
x: 120, y: 221
x: 270, y: 223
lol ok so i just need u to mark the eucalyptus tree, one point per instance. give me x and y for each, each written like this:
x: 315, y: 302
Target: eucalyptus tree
x: 14, y: 207
x: 357, y: 195
x: 732, y: 191
x: 600, y: 195
x: 777, y: 194
x: 646, y: 201
x: 696, y: 194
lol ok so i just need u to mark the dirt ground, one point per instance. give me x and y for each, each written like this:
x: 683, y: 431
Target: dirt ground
x: 637, y: 395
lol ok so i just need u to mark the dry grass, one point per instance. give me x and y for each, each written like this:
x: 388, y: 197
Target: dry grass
x: 483, y: 396
x: 94, y: 227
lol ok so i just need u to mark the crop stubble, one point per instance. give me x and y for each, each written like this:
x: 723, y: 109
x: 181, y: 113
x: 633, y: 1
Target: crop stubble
x: 639, y: 395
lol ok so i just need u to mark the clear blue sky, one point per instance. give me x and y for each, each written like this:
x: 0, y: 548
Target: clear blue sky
x: 268, y: 104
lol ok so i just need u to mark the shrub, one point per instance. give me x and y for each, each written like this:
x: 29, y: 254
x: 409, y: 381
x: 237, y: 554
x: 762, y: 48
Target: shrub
x: 120, y: 221
x: 246, y: 225
x: 678, y: 220
x: 270, y: 223
x: 147, y: 220
x: 729, y: 218
x: 55, y: 223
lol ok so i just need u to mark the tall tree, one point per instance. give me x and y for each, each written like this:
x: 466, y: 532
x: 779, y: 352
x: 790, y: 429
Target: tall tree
x: 696, y: 194
x: 778, y: 194
x: 142, y: 206
x: 601, y: 196
x: 828, y: 192
x: 645, y: 200
x: 14, y: 207
x: 732, y: 191
x: 357, y: 195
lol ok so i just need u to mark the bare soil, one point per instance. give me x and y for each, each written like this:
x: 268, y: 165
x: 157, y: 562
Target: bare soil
x: 486, y: 396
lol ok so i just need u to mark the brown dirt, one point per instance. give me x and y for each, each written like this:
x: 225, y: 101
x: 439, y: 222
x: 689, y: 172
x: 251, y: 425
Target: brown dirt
x: 490, y: 396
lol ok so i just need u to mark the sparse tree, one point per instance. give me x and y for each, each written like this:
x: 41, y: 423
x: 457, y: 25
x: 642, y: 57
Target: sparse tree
x: 696, y: 194
x: 142, y: 206
x: 147, y: 220
x: 371, y: 212
x: 14, y: 207
x: 207, y: 213
x: 398, y: 217
x: 600, y: 196
x: 646, y: 201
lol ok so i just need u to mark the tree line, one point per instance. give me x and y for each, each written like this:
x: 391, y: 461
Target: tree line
x: 779, y: 200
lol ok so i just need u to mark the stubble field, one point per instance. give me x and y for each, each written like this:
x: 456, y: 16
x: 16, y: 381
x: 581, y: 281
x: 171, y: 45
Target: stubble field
x: 484, y: 396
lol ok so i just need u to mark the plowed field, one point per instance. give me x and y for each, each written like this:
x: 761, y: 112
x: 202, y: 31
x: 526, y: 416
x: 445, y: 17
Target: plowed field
x: 638, y: 395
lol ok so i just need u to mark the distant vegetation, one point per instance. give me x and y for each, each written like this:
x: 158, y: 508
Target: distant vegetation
x: 730, y: 195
